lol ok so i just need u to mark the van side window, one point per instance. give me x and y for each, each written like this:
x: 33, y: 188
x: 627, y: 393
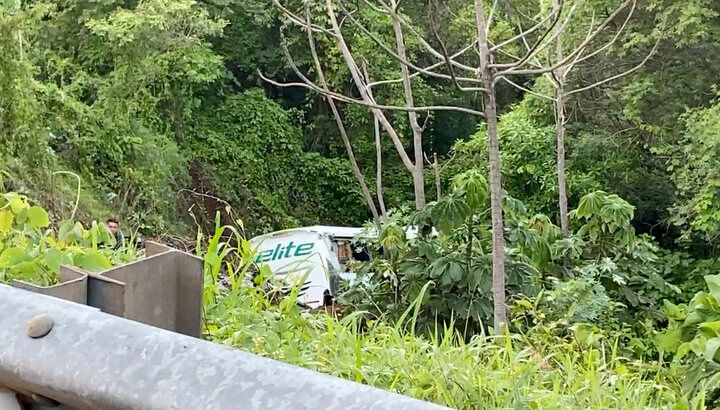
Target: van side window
x: 344, y: 252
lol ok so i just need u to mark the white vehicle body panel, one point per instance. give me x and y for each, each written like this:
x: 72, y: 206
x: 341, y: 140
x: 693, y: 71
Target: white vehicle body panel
x: 311, y: 251
x: 293, y: 254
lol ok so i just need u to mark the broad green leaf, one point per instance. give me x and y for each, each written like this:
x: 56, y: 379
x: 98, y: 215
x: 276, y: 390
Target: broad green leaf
x: 37, y: 217
x: 17, y: 205
x: 475, y: 186
x: 711, y: 349
x: 670, y: 340
x: 13, y: 256
x: 693, y: 318
x: 392, y: 236
x: 64, y: 229
x: 55, y: 258
x: 71, y: 232
x: 92, y: 261
x: 6, y: 221
x: 713, y: 282
x: 590, y: 204
x: 683, y: 350
x: 672, y: 311
x: 710, y: 329
x: 455, y: 271
x: 28, y: 270
x: 450, y: 212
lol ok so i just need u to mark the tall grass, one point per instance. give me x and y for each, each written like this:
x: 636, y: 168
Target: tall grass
x: 486, y: 372
x: 512, y: 371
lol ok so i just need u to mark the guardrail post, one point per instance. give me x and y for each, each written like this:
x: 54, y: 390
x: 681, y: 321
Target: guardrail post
x: 164, y: 289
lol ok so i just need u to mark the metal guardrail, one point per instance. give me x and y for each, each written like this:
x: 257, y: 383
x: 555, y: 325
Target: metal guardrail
x: 164, y: 289
x: 56, y: 353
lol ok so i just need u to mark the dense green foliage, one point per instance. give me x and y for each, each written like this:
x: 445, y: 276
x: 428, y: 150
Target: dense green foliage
x: 32, y: 251
x: 536, y: 370
x: 602, y: 274
x: 98, y: 87
x: 154, y: 111
x: 125, y: 97
x: 250, y: 152
x: 695, y: 174
x: 506, y: 372
x: 546, y: 363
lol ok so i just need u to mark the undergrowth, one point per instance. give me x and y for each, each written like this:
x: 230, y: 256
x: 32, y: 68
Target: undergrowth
x: 486, y: 372
x: 512, y: 371
x: 534, y: 369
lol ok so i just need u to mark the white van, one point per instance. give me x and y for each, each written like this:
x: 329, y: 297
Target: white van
x: 320, y: 252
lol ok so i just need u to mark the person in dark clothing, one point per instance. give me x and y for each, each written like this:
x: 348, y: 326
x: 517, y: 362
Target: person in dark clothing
x: 114, y: 227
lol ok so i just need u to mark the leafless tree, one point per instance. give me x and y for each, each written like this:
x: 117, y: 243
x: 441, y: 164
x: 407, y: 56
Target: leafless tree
x: 559, y: 79
x: 341, y: 126
x: 477, y: 73
x: 414, y: 165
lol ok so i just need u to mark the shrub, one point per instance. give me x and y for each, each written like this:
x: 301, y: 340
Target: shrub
x: 33, y: 251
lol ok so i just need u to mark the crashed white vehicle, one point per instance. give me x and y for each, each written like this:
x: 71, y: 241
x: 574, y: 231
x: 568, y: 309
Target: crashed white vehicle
x: 317, y: 254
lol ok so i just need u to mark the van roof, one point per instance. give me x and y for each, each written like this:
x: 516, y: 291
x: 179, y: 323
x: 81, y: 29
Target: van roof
x: 342, y: 232
x: 334, y: 231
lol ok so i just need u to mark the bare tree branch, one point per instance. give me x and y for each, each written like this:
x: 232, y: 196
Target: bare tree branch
x: 338, y: 120
x: 511, y: 55
x: 404, y: 61
x: 490, y: 18
x: 527, y: 90
x: 378, y: 155
x: 572, y: 64
x: 309, y: 84
x: 378, y: 170
x: 297, y: 20
x: 613, y: 40
x: 362, y: 88
x: 615, y: 77
x: 426, y: 120
x: 418, y: 174
x: 431, y: 67
x: 342, y: 20
x: 571, y: 56
x: 389, y: 10
x: 445, y: 56
x: 340, y: 97
x: 525, y: 33
x: 541, y: 44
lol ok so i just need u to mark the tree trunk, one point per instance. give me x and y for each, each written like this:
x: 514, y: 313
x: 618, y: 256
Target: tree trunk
x: 438, y: 183
x: 378, y: 178
x: 561, y: 179
x: 560, y: 134
x: 418, y: 170
x: 368, y: 98
x: 498, y: 241
x: 353, y: 162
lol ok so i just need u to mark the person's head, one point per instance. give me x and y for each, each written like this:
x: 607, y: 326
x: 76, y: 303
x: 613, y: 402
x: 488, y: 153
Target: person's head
x: 113, y: 225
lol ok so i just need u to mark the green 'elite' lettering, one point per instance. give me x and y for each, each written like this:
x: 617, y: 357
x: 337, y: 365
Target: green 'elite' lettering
x: 289, y: 247
x: 265, y: 256
x: 277, y: 249
x: 304, y: 249
x: 282, y: 252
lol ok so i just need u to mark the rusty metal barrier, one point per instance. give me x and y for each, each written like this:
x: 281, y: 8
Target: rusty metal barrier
x: 164, y: 289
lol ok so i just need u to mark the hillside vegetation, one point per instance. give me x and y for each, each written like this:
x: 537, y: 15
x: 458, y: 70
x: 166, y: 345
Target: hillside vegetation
x: 558, y: 158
